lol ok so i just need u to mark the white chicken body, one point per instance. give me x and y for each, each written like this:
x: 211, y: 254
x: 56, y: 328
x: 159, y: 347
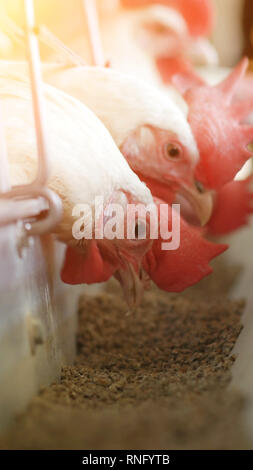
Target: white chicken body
x: 123, y: 102
x: 133, y: 39
x: 124, y: 42
x: 85, y: 162
x: 128, y: 53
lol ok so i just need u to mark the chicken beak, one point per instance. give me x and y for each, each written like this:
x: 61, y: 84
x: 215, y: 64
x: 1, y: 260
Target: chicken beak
x: 132, y: 285
x: 204, y: 207
x: 201, y: 202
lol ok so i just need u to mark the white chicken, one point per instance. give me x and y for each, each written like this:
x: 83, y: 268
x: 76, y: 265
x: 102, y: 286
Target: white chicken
x: 133, y: 39
x: 122, y: 101
x: 149, y: 128
x: 85, y: 164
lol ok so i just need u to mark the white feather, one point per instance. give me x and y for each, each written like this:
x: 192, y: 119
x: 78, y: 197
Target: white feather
x: 85, y: 162
x: 120, y: 29
x: 123, y: 102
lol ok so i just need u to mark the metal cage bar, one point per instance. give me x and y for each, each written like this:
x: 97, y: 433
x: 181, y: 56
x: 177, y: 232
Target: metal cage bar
x: 53, y: 42
x: 17, y: 35
x: 37, y: 95
x: 12, y: 29
x: 90, y: 10
x: 50, y: 40
x: 37, y: 188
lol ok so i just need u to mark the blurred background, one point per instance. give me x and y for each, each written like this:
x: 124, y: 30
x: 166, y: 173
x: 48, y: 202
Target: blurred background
x: 232, y: 34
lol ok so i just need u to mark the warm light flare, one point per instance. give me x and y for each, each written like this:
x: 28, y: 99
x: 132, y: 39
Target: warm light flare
x: 14, y: 9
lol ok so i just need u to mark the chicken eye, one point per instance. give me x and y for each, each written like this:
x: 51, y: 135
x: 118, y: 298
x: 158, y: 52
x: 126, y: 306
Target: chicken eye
x: 156, y: 28
x: 173, y: 151
x: 200, y: 187
x: 160, y: 28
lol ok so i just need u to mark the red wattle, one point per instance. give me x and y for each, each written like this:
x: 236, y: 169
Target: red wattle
x: 233, y: 207
x: 174, y: 271
x: 89, y: 268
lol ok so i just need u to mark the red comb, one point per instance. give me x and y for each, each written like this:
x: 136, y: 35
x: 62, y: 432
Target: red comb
x: 198, y: 14
x: 89, y: 268
x: 233, y: 207
x: 174, y: 271
x: 216, y: 122
x: 230, y: 84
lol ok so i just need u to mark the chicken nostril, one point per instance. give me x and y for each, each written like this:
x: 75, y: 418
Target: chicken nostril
x: 200, y: 187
